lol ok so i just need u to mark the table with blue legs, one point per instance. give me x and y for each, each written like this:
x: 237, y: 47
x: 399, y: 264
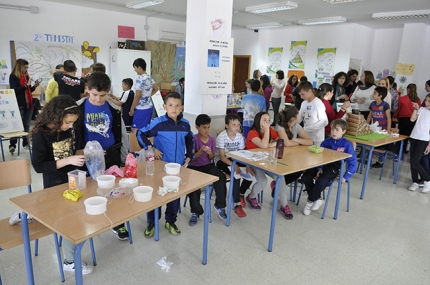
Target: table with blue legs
x: 371, y: 145
x: 296, y: 158
x: 69, y: 219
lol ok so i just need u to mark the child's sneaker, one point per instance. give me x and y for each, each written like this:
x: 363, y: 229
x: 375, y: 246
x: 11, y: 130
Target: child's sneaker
x: 173, y: 229
x: 193, y: 220
x: 307, y: 210
x: 253, y: 203
x: 86, y: 268
x: 377, y: 165
x: 426, y: 187
x: 221, y: 212
x: 272, y: 186
x: 239, y: 211
x: 242, y: 201
x: 150, y: 230
x: 16, y: 218
x: 121, y: 232
x: 317, y: 204
x: 413, y: 187
x: 286, y: 212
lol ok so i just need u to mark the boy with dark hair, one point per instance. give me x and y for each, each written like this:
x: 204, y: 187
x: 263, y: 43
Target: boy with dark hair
x: 98, y: 67
x: 297, y: 98
x: 52, y: 87
x: 252, y: 104
x: 232, y: 140
x: 68, y: 83
x: 380, y: 112
x: 317, y: 179
x: 173, y: 142
x: 101, y: 121
x: 125, y: 101
x: 204, y: 153
x: 141, y: 108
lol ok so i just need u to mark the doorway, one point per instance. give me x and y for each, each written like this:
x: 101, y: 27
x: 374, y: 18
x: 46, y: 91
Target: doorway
x: 241, y: 71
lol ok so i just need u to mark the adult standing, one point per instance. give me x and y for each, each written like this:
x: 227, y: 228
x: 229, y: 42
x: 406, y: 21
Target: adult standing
x: 278, y: 85
x: 363, y: 94
x: 350, y: 84
x: 20, y: 81
x: 267, y: 88
x: 292, y: 83
x: 339, y: 93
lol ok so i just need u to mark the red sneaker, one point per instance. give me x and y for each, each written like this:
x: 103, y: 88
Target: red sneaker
x: 239, y: 211
x: 242, y: 201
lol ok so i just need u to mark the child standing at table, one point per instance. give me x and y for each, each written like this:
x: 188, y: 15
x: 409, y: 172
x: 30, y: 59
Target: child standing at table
x: 312, y: 113
x: 125, y: 101
x: 53, y: 154
x: 204, y: 153
x: 317, y: 179
x: 232, y: 140
x: 420, y: 144
x: 173, y: 142
x: 251, y: 105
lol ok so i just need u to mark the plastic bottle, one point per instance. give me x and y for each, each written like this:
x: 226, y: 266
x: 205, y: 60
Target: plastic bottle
x: 150, y: 158
x: 280, y: 148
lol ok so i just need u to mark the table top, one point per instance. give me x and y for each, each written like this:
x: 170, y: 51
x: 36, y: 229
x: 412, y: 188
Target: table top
x: 380, y: 142
x: 296, y: 158
x: 70, y: 220
x: 233, y: 107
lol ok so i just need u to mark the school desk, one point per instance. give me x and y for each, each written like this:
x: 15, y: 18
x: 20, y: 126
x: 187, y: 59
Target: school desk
x: 296, y: 158
x: 371, y: 145
x: 69, y: 219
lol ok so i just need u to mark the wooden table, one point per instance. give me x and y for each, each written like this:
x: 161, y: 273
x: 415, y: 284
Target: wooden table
x: 296, y: 158
x: 70, y: 220
x: 371, y: 145
x: 233, y: 107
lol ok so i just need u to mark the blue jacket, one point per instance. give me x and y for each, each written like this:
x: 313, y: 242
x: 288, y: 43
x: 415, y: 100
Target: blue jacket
x: 343, y: 145
x: 174, y: 139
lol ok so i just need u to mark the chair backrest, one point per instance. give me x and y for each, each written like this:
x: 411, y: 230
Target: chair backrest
x: 15, y: 173
x: 134, y: 145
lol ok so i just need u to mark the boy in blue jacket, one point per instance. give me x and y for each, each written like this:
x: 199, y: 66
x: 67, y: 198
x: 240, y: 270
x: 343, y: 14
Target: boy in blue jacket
x: 173, y: 142
x: 317, y: 179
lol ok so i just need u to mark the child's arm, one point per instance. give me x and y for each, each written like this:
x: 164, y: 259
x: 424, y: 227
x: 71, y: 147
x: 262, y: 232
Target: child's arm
x: 135, y: 101
x: 351, y: 162
x: 265, y: 141
x: 304, y: 139
x: 283, y: 135
x: 414, y: 115
x: 227, y: 161
x: 388, y: 114
x: 189, y: 144
x: 147, y: 132
x: 369, y: 117
x: 154, y: 89
x: 112, y: 98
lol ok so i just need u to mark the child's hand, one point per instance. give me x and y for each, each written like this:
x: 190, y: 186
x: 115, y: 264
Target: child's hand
x: 361, y: 100
x: 250, y: 171
x: 187, y: 160
x: 158, y: 154
x: 77, y: 160
x: 272, y: 144
x: 131, y: 113
x: 346, y: 105
x: 415, y: 105
x: 343, y: 180
x: 320, y: 171
x: 427, y: 151
x: 237, y: 169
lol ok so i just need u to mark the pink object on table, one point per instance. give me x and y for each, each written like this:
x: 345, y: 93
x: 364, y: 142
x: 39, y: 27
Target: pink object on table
x: 115, y: 170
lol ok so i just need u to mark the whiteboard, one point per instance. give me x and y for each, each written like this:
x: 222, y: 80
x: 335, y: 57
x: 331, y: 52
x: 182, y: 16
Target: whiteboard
x: 10, y: 118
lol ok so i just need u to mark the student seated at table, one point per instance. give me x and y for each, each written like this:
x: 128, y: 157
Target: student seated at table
x: 204, y: 153
x: 317, y: 179
x: 53, y: 155
x: 380, y: 112
x: 173, y: 142
x: 232, y: 140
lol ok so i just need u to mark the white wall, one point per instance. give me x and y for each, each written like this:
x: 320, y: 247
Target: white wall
x: 385, y: 49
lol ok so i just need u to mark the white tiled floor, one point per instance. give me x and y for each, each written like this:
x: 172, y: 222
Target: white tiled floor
x: 382, y: 240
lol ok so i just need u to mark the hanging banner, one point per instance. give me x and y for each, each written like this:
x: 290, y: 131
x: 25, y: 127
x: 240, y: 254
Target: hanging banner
x: 298, y: 53
x: 274, y: 60
x: 325, y: 62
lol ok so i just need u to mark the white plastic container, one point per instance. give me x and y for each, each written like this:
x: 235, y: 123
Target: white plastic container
x: 106, y: 181
x: 142, y: 193
x: 77, y: 179
x: 172, y: 168
x: 171, y: 182
x: 95, y: 205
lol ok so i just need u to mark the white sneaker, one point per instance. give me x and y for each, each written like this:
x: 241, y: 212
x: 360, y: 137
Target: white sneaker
x: 16, y: 218
x: 317, y: 204
x: 86, y: 268
x: 307, y: 210
x: 426, y: 187
x: 413, y: 187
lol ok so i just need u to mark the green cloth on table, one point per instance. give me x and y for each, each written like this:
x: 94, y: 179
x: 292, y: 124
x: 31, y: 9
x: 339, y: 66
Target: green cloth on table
x: 371, y: 137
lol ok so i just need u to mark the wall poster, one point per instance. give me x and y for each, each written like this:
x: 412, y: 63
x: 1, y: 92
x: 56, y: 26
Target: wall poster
x: 297, y: 56
x: 274, y: 59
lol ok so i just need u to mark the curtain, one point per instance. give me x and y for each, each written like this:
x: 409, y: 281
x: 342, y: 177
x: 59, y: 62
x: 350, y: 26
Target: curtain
x: 162, y: 60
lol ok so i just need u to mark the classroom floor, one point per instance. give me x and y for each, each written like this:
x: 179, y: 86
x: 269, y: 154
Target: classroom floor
x: 382, y: 240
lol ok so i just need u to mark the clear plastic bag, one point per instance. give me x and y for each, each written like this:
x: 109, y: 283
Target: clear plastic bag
x: 141, y: 157
x: 94, y: 159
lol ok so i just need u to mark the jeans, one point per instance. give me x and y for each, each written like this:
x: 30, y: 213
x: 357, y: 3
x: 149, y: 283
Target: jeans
x: 314, y: 188
x: 26, y: 114
x: 171, y: 213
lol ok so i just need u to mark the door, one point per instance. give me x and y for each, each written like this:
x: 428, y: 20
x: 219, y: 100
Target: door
x: 241, y: 71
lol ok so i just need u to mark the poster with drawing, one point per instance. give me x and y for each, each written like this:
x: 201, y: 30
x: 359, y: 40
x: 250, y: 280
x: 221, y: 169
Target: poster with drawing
x: 297, y: 56
x: 355, y: 64
x: 274, y: 59
x: 4, y: 72
x: 325, y: 64
x: 10, y: 119
x: 404, y: 72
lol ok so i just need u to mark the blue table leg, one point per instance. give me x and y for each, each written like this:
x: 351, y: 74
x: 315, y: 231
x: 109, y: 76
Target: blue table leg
x: 366, y: 174
x: 362, y: 158
x: 398, y: 161
x: 156, y: 225
x: 129, y: 230
x: 78, y: 263
x: 339, y: 189
x: 230, y: 194
x: 206, y: 224
x: 27, y: 248
x: 60, y: 262
x: 274, y: 209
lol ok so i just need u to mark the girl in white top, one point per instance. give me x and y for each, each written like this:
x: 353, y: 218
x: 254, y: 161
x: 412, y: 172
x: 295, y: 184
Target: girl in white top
x: 278, y: 85
x: 420, y: 144
x: 363, y: 94
x: 312, y: 113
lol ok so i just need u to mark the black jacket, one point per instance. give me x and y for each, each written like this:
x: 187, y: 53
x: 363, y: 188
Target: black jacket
x: 14, y: 83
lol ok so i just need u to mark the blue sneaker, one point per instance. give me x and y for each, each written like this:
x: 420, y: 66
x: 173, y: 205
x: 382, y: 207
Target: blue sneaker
x: 193, y: 220
x: 221, y: 212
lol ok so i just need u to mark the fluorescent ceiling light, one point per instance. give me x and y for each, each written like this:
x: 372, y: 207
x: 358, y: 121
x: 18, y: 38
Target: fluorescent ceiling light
x: 402, y: 15
x: 341, y: 1
x: 139, y: 4
x: 321, y: 21
x: 271, y: 7
x: 264, y: 26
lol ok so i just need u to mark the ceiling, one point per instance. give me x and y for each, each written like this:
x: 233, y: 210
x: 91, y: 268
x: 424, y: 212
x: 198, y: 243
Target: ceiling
x: 355, y: 12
